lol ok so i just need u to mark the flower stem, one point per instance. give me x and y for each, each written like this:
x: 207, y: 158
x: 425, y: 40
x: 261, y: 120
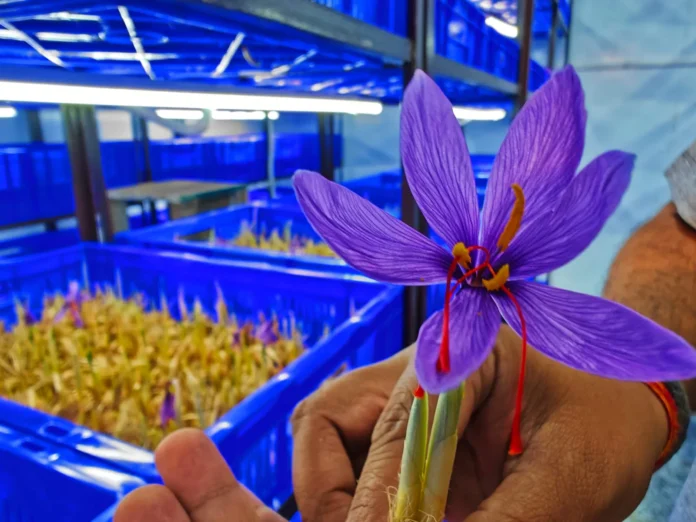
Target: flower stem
x: 412, y: 462
x: 441, y: 452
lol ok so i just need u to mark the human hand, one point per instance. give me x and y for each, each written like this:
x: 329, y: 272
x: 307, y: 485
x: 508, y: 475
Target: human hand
x: 590, y: 443
x: 198, y: 487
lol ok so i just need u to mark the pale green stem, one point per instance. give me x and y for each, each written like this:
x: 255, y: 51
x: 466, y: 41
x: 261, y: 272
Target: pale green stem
x: 441, y: 451
x: 412, y: 463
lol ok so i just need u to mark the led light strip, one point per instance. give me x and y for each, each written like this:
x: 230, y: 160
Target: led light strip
x: 479, y: 114
x: 502, y: 27
x: 32, y: 92
x: 7, y: 112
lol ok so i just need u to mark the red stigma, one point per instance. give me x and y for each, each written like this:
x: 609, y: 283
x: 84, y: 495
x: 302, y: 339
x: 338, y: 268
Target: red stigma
x: 516, y: 436
x: 419, y: 392
x: 443, y: 362
x: 516, y: 446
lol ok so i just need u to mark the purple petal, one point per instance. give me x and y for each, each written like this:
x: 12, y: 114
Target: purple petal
x: 167, y: 411
x: 474, y: 323
x: 568, y: 228
x: 366, y: 237
x: 597, y: 336
x: 541, y: 153
x: 437, y: 162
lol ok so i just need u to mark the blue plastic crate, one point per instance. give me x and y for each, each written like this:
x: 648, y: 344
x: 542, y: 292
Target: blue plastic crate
x: 227, y: 223
x: 41, y: 481
x: 505, y: 56
x: 460, y: 33
x: 364, y: 317
x: 237, y: 158
x: 390, y: 15
x: 38, y: 243
x: 39, y: 176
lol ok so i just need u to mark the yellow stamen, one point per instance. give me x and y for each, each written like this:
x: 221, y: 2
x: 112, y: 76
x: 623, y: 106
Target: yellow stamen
x: 461, y: 254
x: 513, y: 224
x: 498, y: 280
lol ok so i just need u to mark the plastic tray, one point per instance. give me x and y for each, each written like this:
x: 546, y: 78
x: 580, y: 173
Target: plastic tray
x: 389, y: 15
x: 365, y: 319
x: 41, y: 481
x: 191, y: 235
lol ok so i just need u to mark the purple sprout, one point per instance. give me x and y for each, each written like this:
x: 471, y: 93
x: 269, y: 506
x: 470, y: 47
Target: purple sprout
x: 266, y: 332
x: 73, y: 300
x: 168, y: 410
x: 295, y: 245
x: 548, y: 218
x: 29, y: 318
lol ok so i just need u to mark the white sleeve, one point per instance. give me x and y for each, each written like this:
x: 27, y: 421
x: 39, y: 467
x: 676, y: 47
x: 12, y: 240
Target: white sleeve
x: 681, y: 177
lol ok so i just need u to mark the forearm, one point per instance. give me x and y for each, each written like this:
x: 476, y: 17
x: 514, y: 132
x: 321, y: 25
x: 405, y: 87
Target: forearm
x: 655, y: 274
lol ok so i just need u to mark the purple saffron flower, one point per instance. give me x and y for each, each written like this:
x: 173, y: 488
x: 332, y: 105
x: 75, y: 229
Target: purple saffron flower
x: 74, y: 295
x: 167, y: 411
x: 537, y: 216
x: 73, y: 300
x: 266, y: 332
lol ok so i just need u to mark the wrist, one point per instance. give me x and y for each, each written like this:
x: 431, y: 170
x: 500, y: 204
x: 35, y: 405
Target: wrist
x: 674, y: 406
x: 657, y: 422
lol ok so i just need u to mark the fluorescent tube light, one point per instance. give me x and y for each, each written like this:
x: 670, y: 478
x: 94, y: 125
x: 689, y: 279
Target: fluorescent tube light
x: 239, y: 115
x: 479, y: 114
x: 7, y: 112
x: 179, y: 114
x: 503, y: 28
x: 34, y: 92
x: 273, y: 115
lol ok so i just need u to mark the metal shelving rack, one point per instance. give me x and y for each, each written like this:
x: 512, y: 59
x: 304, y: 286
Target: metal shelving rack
x: 335, y: 30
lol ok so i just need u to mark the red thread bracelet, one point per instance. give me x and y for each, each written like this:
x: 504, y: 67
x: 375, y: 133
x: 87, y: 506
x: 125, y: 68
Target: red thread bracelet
x: 672, y: 410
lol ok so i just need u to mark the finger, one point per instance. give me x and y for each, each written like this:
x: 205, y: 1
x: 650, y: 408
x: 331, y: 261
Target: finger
x: 153, y: 503
x: 379, y: 477
x: 193, y: 469
x: 331, y: 435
